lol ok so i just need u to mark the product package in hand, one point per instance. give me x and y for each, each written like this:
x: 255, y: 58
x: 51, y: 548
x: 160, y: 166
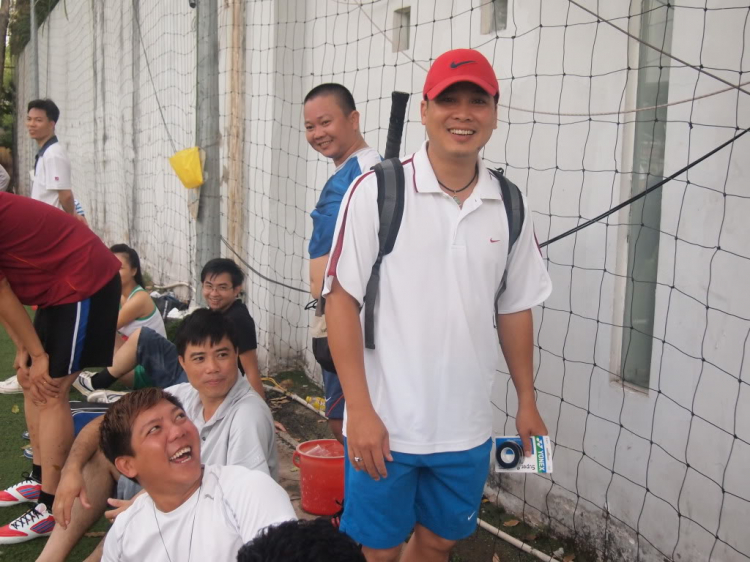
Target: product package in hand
x: 509, y: 455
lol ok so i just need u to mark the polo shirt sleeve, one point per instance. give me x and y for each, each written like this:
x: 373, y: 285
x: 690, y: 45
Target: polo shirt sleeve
x: 256, y: 500
x: 528, y: 283
x: 356, y: 239
x: 57, y: 171
x: 250, y: 436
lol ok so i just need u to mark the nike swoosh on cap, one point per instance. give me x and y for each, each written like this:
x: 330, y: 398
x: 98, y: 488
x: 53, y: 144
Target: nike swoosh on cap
x: 457, y: 64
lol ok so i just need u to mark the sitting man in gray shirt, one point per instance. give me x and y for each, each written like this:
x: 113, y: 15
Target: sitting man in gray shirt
x: 234, y: 424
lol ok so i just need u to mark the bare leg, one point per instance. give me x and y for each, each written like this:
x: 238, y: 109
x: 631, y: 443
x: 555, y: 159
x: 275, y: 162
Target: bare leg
x: 378, y: 555
x: 100, y: 477
x: 55, y: 434
x: 96, y: 556
x: 128, y: 379
x: 31, y: 412
x: 426, y: 546
x: 125, y: 358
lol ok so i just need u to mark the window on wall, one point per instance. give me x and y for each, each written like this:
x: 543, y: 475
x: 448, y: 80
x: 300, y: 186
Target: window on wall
x: 494, y: 16
x: 645, y: 214
x: 401, y: 23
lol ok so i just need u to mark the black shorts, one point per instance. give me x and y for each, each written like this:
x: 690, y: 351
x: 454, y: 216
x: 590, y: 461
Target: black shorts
x: 80, y: 334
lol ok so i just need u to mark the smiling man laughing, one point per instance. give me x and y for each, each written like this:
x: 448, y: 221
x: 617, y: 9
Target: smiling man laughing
x: 233, y: 422
x: 189, y: 511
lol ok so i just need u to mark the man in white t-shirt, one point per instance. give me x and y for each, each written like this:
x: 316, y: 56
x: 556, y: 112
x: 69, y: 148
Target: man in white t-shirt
x: 418, y: 413
x: 234, y: 423
x: 50, y: 178
x: 189, y: 512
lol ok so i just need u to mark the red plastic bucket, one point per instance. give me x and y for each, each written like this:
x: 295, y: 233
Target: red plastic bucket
x: 321, y: 469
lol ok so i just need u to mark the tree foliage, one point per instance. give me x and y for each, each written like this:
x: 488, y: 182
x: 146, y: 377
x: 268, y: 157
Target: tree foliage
x: 19, y: 29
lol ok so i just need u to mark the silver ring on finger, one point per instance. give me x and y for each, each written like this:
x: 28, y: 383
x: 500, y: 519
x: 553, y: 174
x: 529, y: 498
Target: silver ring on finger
x: 357, y: 459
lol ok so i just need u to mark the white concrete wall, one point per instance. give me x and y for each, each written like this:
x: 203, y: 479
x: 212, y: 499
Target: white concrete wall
x: 93, y: 65
x: 622, y: 483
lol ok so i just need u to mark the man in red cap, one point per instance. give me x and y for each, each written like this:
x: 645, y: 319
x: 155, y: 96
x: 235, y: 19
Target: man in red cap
x: 418, y: 407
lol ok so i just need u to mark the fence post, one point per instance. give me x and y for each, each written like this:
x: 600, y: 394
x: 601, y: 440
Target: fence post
x: 208, y: 138
x: 34, y: 52
x: 235, y: 128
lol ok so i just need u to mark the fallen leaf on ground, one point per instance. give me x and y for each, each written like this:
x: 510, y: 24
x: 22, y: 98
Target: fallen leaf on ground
x: 15, y: 409
x: 485, y: 500
x: 511, y: 523
x: 495, y: 558
x: 531, y: 538
x: 321, y: 421
x: 95, y: 534
x: 294, y: 469
x: 287, y: 384
x: 569, y: 558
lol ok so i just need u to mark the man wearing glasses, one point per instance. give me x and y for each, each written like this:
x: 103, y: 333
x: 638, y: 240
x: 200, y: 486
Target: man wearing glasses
x: 156, y: 357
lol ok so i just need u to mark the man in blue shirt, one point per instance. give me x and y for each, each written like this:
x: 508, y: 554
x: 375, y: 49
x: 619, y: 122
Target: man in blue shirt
x: 332, y: 128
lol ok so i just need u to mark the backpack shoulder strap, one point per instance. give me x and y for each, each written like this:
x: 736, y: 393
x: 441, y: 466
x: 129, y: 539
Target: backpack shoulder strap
x: 513, y: 202
x: 391, y: 185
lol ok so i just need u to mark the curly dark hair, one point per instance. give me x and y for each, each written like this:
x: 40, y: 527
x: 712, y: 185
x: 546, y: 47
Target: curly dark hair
x: 301, y: 541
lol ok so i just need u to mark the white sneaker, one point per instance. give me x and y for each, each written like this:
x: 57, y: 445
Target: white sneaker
x: 36, y: 522
x: 104, y: 396
x: 27, y: 490
x: 83, y: 382
x: 10, y: 386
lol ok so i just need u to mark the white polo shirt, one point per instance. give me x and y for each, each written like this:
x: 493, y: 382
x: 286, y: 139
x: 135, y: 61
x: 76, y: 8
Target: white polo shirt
x: 231, y: 507
x: 51, y: 175
x: 430, y: 377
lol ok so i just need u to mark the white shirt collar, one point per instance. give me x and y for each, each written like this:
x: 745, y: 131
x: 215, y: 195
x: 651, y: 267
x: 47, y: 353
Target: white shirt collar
x: 486, y: 188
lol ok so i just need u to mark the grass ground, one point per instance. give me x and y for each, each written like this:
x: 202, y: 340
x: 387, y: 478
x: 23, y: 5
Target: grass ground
x: 13, y: 463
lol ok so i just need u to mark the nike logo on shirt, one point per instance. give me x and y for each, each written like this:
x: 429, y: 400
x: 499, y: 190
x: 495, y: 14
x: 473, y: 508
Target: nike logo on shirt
x: 492, y: 240
x: 457, y: 64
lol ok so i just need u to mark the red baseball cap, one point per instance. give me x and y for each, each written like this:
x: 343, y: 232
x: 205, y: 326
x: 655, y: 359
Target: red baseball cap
x: 460, y: 65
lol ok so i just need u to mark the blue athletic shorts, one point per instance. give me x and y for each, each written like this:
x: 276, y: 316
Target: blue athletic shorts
x: 334, y: 396
x: 440, y: 491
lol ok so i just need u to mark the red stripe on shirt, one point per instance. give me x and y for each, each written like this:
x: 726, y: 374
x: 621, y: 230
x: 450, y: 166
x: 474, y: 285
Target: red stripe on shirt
x: 336, y: 253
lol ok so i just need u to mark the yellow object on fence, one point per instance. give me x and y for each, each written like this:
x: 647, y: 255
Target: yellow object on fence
x: 188, y: 167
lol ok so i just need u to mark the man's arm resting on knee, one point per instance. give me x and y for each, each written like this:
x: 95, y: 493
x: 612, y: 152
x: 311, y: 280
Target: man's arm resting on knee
x: 72, y: 485
x: 517, y: 342
x: 21, y: 331
x: 367, y: 436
